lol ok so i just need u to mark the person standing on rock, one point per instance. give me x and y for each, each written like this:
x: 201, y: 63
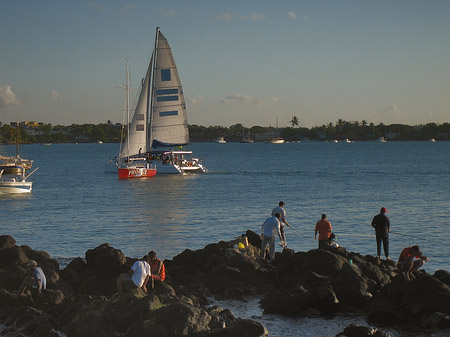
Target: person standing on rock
x: 138, y: 276
x: 37, y: 282
x: 382, y: 229
x: 268, y: 229
x: 324, y: 228
x: 157, y: 267
x: 406, y: 261
x: 280, y: 209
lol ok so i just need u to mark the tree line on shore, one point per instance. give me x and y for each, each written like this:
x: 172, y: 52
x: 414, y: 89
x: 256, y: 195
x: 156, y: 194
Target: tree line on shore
x: 111, y: 133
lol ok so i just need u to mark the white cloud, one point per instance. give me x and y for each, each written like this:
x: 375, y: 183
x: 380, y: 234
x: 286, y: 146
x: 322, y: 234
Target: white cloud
x: 392, y: 115
x: 56, y: 96
x: 167, y: 12
x: 250, y: 100
x: 225, y: 17
x: 253, y: 17
x: 257, y: 16
x: 197, y: 99
x: 7, y: 97
x: 394, y: 112
x: 95, y: 6
x: 292, y: 15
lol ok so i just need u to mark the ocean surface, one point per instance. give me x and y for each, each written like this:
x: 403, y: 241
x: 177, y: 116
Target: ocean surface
x: 76, y: 206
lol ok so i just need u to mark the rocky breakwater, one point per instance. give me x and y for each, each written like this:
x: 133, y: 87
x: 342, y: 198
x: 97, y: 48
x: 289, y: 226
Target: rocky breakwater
x: 317, y: 282
x: 81, y: 300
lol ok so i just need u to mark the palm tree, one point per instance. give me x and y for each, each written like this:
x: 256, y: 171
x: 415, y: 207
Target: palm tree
x: 294, y: 121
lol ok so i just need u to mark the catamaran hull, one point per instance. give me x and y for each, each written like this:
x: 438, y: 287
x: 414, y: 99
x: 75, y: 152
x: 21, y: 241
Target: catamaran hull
x: 9, y: 187
x: 136, y: 172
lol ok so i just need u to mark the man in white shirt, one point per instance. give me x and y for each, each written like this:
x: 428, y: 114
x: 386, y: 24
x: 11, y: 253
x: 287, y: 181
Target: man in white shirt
x: 36, y: 282
x: 138, y: 276
x: 280, y: 209
x: 268, y: 229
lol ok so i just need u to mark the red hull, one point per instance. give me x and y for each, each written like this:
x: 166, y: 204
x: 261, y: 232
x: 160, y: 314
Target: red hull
x: 136, y: 172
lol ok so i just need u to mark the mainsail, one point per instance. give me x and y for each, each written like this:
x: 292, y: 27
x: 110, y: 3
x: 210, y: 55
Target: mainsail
x: 168, y: 119
x: 136, y: 141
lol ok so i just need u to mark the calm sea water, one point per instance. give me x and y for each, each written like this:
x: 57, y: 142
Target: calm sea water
x: 76, y: 206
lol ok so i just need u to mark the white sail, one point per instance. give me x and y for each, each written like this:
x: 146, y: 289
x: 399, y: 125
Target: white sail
x: 168, y: 120
x: 136, y: 141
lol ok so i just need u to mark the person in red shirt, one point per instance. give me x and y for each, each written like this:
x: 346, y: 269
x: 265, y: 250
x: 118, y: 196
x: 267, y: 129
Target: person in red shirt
x: 323, y: 226
x: 406, y: 261
x: 158, y: 269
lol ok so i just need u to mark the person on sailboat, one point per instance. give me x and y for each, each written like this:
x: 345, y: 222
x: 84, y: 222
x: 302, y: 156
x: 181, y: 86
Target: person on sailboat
x: 157, y: 267
x: 280, y: 209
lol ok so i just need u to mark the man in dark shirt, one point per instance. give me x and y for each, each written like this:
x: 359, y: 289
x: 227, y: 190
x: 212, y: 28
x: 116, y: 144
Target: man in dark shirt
x: 382, y: 228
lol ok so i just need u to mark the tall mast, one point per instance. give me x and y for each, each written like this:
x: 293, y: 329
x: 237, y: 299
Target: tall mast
x: 18, y: 139
x: 150, y: 96
x: 127, y: 106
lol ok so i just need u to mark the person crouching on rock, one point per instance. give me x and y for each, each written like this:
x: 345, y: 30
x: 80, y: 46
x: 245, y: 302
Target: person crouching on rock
x: 268, y: 229
x: 137, y: 277
x: 37, y: 282
x: 406, y: 261
x: 157, y: 267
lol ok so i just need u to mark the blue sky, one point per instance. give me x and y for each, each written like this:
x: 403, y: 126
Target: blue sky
x: 240, y: 61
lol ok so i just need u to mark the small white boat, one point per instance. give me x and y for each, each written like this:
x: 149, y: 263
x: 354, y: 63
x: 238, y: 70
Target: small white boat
x: 13, y: 180
x: 432, y: 140
x: 275, y: 141
x: 381, y: 140
x: 220, y: 140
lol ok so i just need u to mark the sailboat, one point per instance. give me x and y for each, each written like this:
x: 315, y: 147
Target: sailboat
x: 132, y: 166
x: 13, y: 180
x: 275, y: 140
x: 159, y: 125
x: 246, y: 139
x: 13, y: 172
x: 16, y: 160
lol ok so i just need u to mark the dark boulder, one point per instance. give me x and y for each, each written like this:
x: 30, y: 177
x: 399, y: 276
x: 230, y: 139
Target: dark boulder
x: 12, y: 257
x: 443, y: 276
x: 323, y: 262
x: 352, y: 285
x: 105, y: 258
x: 254, y: 239
x: 361, y: 331
x: 427, y: 296
x: 189, y: 319
x: 290, y: 302
x: 7, y: 241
